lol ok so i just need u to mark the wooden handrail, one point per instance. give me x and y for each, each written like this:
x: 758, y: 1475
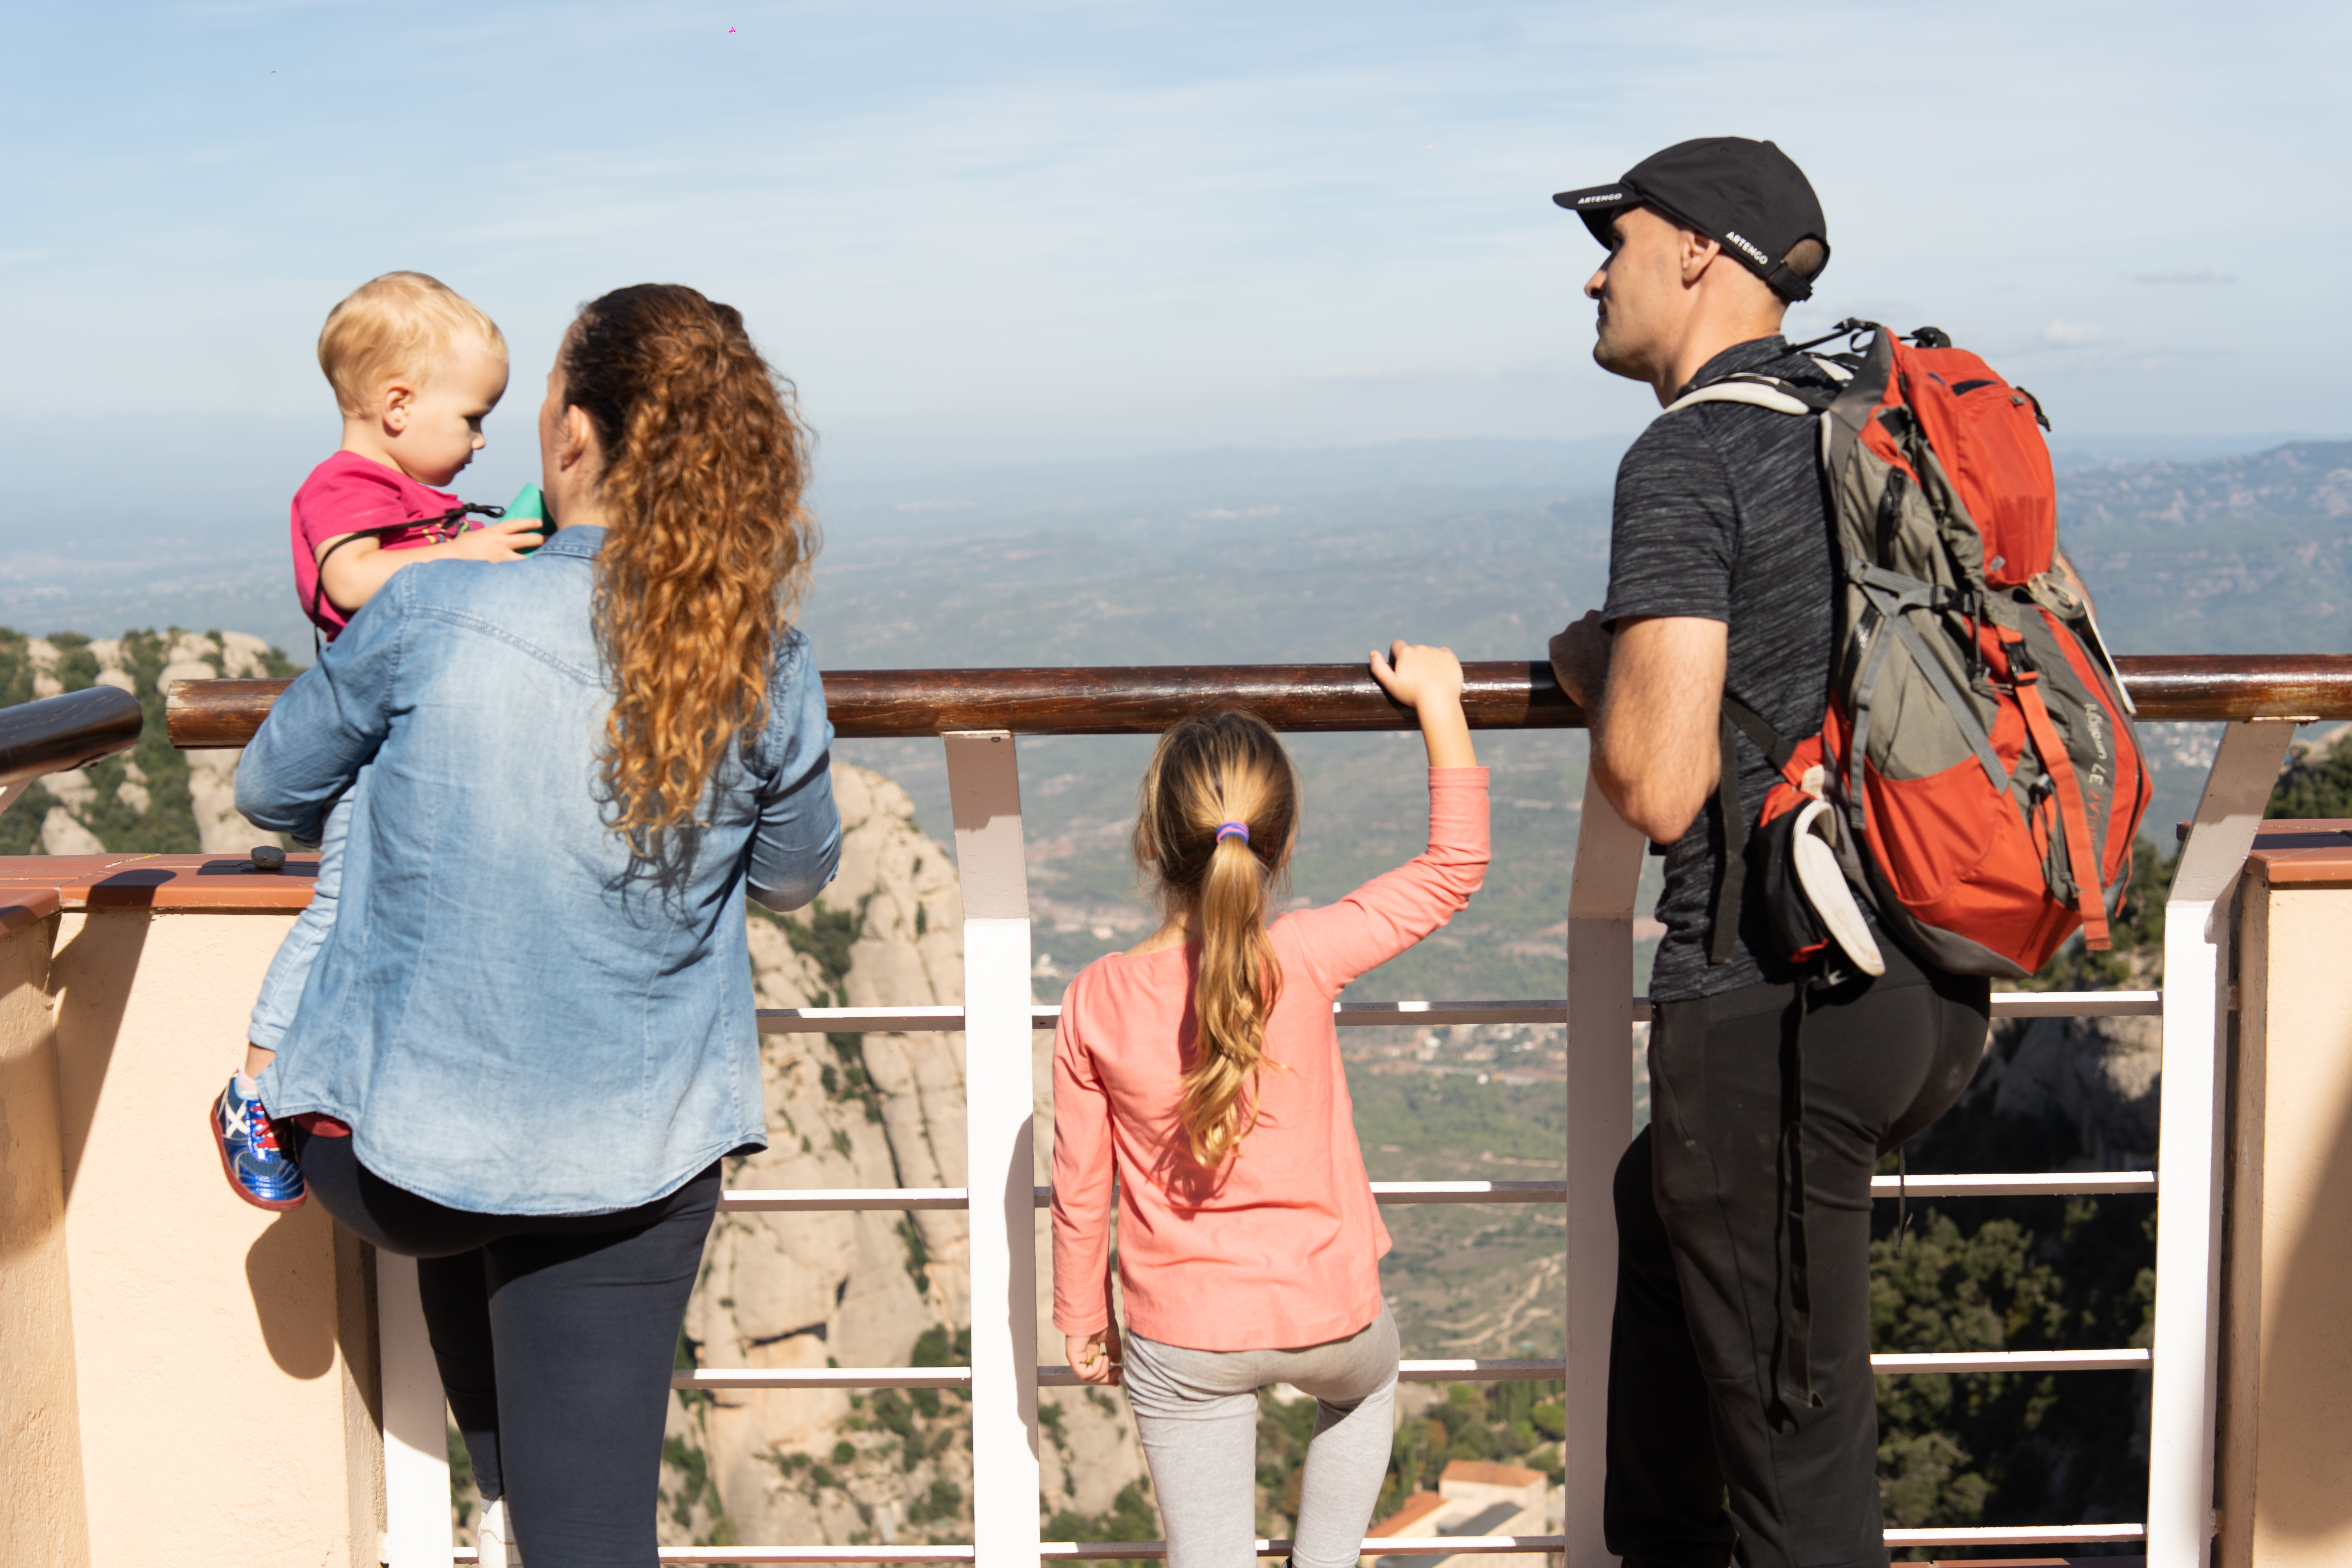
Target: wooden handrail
x: 56, y: 734
x: 1131, y: 700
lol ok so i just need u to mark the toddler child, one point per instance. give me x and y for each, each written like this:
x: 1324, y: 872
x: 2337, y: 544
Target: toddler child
x: 1202, y: 1069
x: 415, y: 368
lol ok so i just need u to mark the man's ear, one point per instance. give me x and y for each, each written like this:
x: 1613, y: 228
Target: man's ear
x: 1697, y: 252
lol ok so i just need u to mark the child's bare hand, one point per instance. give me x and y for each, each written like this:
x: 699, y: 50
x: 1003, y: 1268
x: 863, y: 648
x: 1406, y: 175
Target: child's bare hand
x: 499, y: 540
x: 1094, y: 1357
x: 1417, y: 675
x: 1429, y: 681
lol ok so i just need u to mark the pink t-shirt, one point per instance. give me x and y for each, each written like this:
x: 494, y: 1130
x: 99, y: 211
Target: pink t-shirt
x: 344, y: 494
x: 1280, y: 1246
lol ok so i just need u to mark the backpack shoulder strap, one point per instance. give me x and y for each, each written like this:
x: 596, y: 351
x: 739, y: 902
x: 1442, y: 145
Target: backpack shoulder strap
x: 1759, y: 390
x: 1723, y: 934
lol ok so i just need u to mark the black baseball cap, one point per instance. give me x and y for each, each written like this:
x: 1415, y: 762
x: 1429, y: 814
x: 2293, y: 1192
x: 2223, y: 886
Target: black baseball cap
x: 1748, y: 196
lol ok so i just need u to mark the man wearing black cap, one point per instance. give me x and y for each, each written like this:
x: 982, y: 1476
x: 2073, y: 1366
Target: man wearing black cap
x: 1742, y: 1417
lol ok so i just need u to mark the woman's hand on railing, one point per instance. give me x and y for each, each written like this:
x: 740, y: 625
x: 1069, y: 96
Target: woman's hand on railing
x: 1094, y: 1357
x: 1429, y: 681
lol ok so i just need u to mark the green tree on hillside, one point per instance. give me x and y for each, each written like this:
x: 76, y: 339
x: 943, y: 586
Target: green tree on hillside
x: 167, y: 823
x: 2315, y: 783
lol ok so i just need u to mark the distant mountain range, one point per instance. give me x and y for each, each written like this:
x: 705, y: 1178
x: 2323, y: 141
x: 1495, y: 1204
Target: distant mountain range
x: 1229, y: 554
x: 2235, y: 555
x: 2301, y: 483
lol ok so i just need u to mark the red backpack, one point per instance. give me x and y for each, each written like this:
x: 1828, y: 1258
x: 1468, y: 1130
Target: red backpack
x: 1975, y: 775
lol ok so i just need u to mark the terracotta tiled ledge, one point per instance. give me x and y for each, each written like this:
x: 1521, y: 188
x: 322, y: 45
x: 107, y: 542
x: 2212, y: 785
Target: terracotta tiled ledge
x: 35, y: 887
x: 2315, y: 854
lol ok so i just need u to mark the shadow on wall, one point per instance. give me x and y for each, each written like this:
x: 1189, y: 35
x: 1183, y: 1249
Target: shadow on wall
x: 92, y: 979
x: 301, y: 1340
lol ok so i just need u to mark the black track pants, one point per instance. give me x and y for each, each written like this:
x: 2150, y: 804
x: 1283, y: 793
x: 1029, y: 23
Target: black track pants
x: 1706, y: 1464
x: 555, y: 1336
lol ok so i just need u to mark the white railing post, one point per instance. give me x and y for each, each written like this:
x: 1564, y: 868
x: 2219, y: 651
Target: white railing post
x: 984, y: 797
x: 1599, y: 1123
x: 415, y: 1423
x: 2196, y: 921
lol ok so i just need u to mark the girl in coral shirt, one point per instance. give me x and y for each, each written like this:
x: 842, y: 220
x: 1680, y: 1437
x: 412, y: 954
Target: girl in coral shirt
x: 1201, y: 1068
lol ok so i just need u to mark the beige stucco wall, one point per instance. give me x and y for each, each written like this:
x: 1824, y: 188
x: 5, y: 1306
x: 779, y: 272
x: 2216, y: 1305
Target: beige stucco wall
x: 2286, y: 1396
x: 41, y: 1518
x: 223, y: 1377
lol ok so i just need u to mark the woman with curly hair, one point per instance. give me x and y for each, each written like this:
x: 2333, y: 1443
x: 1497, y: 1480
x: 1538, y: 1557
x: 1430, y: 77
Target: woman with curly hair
x: 523, y: 1062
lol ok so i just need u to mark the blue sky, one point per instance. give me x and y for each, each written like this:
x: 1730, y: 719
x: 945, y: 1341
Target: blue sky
x: 1026, y: 232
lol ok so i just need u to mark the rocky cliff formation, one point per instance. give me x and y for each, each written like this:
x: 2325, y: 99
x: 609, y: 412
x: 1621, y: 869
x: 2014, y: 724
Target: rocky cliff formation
x: 153, y: 800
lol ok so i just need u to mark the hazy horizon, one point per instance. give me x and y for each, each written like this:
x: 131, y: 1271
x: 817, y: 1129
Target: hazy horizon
x: 218, y: 558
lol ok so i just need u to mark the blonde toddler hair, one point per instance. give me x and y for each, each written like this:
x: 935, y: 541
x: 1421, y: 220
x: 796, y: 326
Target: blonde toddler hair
x: 400, y: 324
x: 1210, y: 775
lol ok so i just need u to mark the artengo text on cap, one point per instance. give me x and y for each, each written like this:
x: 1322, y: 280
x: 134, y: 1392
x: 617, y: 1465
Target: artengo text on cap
x: 1739, y: 240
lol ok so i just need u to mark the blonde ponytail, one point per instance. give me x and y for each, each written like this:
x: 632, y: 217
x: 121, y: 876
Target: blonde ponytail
x: 1218, y: 816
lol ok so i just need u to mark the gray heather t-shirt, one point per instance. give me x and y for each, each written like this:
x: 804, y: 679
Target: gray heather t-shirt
x: 1719, y: 515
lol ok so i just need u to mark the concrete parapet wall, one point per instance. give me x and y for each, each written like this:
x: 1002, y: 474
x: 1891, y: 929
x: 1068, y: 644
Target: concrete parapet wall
x: 2286, y: 1371
x: 41, y: 1504
x: 190, y: 1380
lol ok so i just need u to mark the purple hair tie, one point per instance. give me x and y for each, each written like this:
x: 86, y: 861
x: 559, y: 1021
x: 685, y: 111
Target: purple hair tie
x: 1233, y: 830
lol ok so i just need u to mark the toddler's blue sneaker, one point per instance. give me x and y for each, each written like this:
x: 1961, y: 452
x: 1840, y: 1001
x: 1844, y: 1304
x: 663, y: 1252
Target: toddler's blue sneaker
x: 258, y: 1171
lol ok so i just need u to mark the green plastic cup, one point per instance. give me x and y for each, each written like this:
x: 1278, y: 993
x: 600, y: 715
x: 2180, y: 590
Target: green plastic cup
x: 529, y: 505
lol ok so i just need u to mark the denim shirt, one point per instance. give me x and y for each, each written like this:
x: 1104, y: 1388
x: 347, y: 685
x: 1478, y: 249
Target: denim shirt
x: 510, y: 1013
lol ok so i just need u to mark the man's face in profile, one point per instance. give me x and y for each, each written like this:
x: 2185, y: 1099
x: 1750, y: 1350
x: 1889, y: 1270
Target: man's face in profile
x: 1639, y: 289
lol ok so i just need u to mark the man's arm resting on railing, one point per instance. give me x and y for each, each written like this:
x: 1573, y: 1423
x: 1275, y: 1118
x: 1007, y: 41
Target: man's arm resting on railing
x: 1653, y: 693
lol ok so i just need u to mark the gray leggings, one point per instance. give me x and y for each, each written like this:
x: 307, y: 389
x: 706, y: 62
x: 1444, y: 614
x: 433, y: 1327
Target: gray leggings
x: 1196, y: 1413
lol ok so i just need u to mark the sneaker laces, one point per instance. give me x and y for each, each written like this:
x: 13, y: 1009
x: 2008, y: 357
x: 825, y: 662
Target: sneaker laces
x: 259, y: 1134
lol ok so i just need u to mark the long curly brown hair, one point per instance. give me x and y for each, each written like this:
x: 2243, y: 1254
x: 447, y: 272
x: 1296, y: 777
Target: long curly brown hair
x: 709, y: 548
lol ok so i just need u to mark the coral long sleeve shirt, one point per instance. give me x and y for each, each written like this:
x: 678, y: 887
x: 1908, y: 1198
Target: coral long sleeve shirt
x: 1279, y: 1247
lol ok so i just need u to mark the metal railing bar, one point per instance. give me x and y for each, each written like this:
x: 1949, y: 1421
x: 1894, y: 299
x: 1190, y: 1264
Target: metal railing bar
x: 1076, y: 1551
x: 2012, y: 1361
x: 1542, y: 1192
x: 1552, y: 1192
x: 463, y: 1556
x: 1394, y: 1014
x: 1465, y: 1369
x: 1480, y: 1369
x: 1347, y: 1015
x: 2020, y: 1535
x: 1982, y: 1185
x: 777, y: 1378
x: 2002, y: 1184
x: 2078, y: 1004
x: 1416, y: 1545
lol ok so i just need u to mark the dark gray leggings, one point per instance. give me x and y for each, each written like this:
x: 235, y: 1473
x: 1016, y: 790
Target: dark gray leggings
x: 555, y: 1336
